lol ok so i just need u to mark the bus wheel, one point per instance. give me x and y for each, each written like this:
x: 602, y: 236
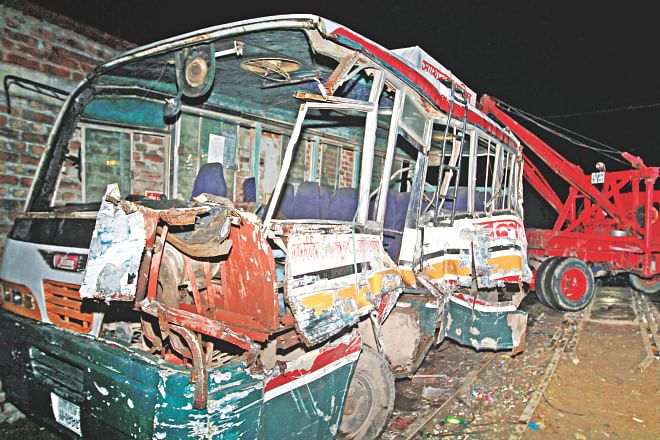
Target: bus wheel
x: 571, y: 284
x: 370, y: 398
x: 543, y: 281
x: 643, y: 285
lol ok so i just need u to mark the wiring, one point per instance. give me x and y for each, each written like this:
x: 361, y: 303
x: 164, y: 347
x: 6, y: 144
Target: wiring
x: 564, y: 133
x: 605, y: 110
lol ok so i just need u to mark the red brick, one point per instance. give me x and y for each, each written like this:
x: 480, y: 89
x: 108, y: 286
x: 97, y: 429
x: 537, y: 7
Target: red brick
x: 152, y: 139
x: 21, y: 61
x: 153, y: 157
x: 55, y: 70
x: 37, y: 117
x: 10, y: 22
x: 36, y: 138
x: 8, y: 132
x: 21, y: 37
x: 37, y: 149
x: 43, y: 33
x: 8, y: 157
x: 8, y: 178
x: 29, y: 160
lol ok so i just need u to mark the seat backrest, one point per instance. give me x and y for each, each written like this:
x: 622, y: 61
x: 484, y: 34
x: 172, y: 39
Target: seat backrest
x: 343, y: 204
x: 284, y: 208
x: 307, y: 203
x: 249, y: 190
x: 461, y: 199
x: 395, y: 220
x: 211, y: 180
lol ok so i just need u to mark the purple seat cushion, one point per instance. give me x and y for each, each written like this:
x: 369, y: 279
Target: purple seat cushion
x: 211, y: 180
x: 306, y: 204
x: 285, y: 207
x: 249, y: 190
x: 343, y: 204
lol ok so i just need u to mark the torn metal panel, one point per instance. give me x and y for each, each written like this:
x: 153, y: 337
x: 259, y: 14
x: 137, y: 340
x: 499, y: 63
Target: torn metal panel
x: 332, y: 279
x: 249, y: 282
x: 115, y: 252
x: 500, y: 251
x: 309, y: 394
x: 408, y: 333
x: 233, y: 410
x: 447, y: 255
x: 484, y: 325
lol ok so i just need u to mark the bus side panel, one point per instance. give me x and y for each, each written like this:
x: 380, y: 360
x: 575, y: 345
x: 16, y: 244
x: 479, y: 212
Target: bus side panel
x: 311, y: 411
x: 309, y: 395
x: 233, y: 406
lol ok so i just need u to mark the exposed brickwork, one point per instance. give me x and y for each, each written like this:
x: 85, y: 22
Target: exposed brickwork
x: 346, y: 168
x: 148, y: 168
x: 329, y: 163
x: 45, y: 47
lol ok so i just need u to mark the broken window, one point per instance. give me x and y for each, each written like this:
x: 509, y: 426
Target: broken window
x: 486, y: 165
x: 134, y: 159
x: 204, y: 139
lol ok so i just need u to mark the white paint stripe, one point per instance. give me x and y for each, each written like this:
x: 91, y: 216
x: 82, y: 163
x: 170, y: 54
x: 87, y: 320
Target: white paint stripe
x: 311, y: 377
x: 482, y: 308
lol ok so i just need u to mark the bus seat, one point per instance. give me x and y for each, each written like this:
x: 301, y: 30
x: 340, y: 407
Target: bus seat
x: 285, y: 207
x: 324, y: 200
x: 479, y: 204
x: 401, y: 201
x: 343, y: 204
x: 211, y: 180
x: 249, y: 190
x: 461, y: 199
x: 307, y: 202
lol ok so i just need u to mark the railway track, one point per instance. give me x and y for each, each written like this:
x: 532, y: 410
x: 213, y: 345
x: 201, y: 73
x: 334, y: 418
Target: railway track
x: 551, y: 336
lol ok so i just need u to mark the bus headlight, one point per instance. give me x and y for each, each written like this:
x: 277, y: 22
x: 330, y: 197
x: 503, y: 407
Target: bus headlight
x: 28, y: 301
x: 17, y: 297
x: 6, y: 293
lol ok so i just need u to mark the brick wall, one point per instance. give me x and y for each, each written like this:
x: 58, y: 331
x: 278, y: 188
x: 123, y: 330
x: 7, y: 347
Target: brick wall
x: 51, y: 49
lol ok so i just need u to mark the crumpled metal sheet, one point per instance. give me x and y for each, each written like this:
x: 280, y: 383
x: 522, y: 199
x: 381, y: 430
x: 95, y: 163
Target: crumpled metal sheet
x: 115, y: 252
x: 335, y: 278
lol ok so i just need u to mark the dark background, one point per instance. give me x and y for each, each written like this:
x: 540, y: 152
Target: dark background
x: 584, y: 65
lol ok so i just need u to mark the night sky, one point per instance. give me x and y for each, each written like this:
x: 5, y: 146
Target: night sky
x: 548, y: 58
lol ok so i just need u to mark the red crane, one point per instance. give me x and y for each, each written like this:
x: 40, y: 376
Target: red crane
x: 608, y: 221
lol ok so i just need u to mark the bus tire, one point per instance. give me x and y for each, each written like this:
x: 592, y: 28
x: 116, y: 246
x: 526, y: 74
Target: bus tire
x: 572, y: 284
x: 643, y: 285
x: 370, y: 399
x: 542, y: 281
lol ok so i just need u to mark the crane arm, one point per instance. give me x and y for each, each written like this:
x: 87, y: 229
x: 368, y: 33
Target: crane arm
x: 567, y: 170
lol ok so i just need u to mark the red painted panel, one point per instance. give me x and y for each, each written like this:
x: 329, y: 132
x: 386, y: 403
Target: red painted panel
x: 248, y: 279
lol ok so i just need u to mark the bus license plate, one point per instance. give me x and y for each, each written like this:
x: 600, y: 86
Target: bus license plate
x: 66, y: 413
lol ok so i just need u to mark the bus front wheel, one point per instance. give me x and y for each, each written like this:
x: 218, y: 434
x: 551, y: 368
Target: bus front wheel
x: 370, y: 399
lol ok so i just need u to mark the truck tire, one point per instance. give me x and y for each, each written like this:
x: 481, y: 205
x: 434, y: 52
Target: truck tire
x: 572, y: 284
x: 643, y: 285
x: 370, y: 400
x: 543, y: 281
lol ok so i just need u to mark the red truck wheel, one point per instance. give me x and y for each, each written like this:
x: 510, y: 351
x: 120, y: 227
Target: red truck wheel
x: 370, y: 399
x: 543, y: 281
x: 572, y: 284
x: 643, y: 285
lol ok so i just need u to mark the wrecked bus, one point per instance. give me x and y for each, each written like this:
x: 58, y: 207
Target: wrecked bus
x: 251, y: 230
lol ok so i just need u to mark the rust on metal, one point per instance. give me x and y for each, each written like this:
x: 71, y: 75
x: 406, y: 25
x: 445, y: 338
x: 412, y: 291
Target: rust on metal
x: 199, y: 375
